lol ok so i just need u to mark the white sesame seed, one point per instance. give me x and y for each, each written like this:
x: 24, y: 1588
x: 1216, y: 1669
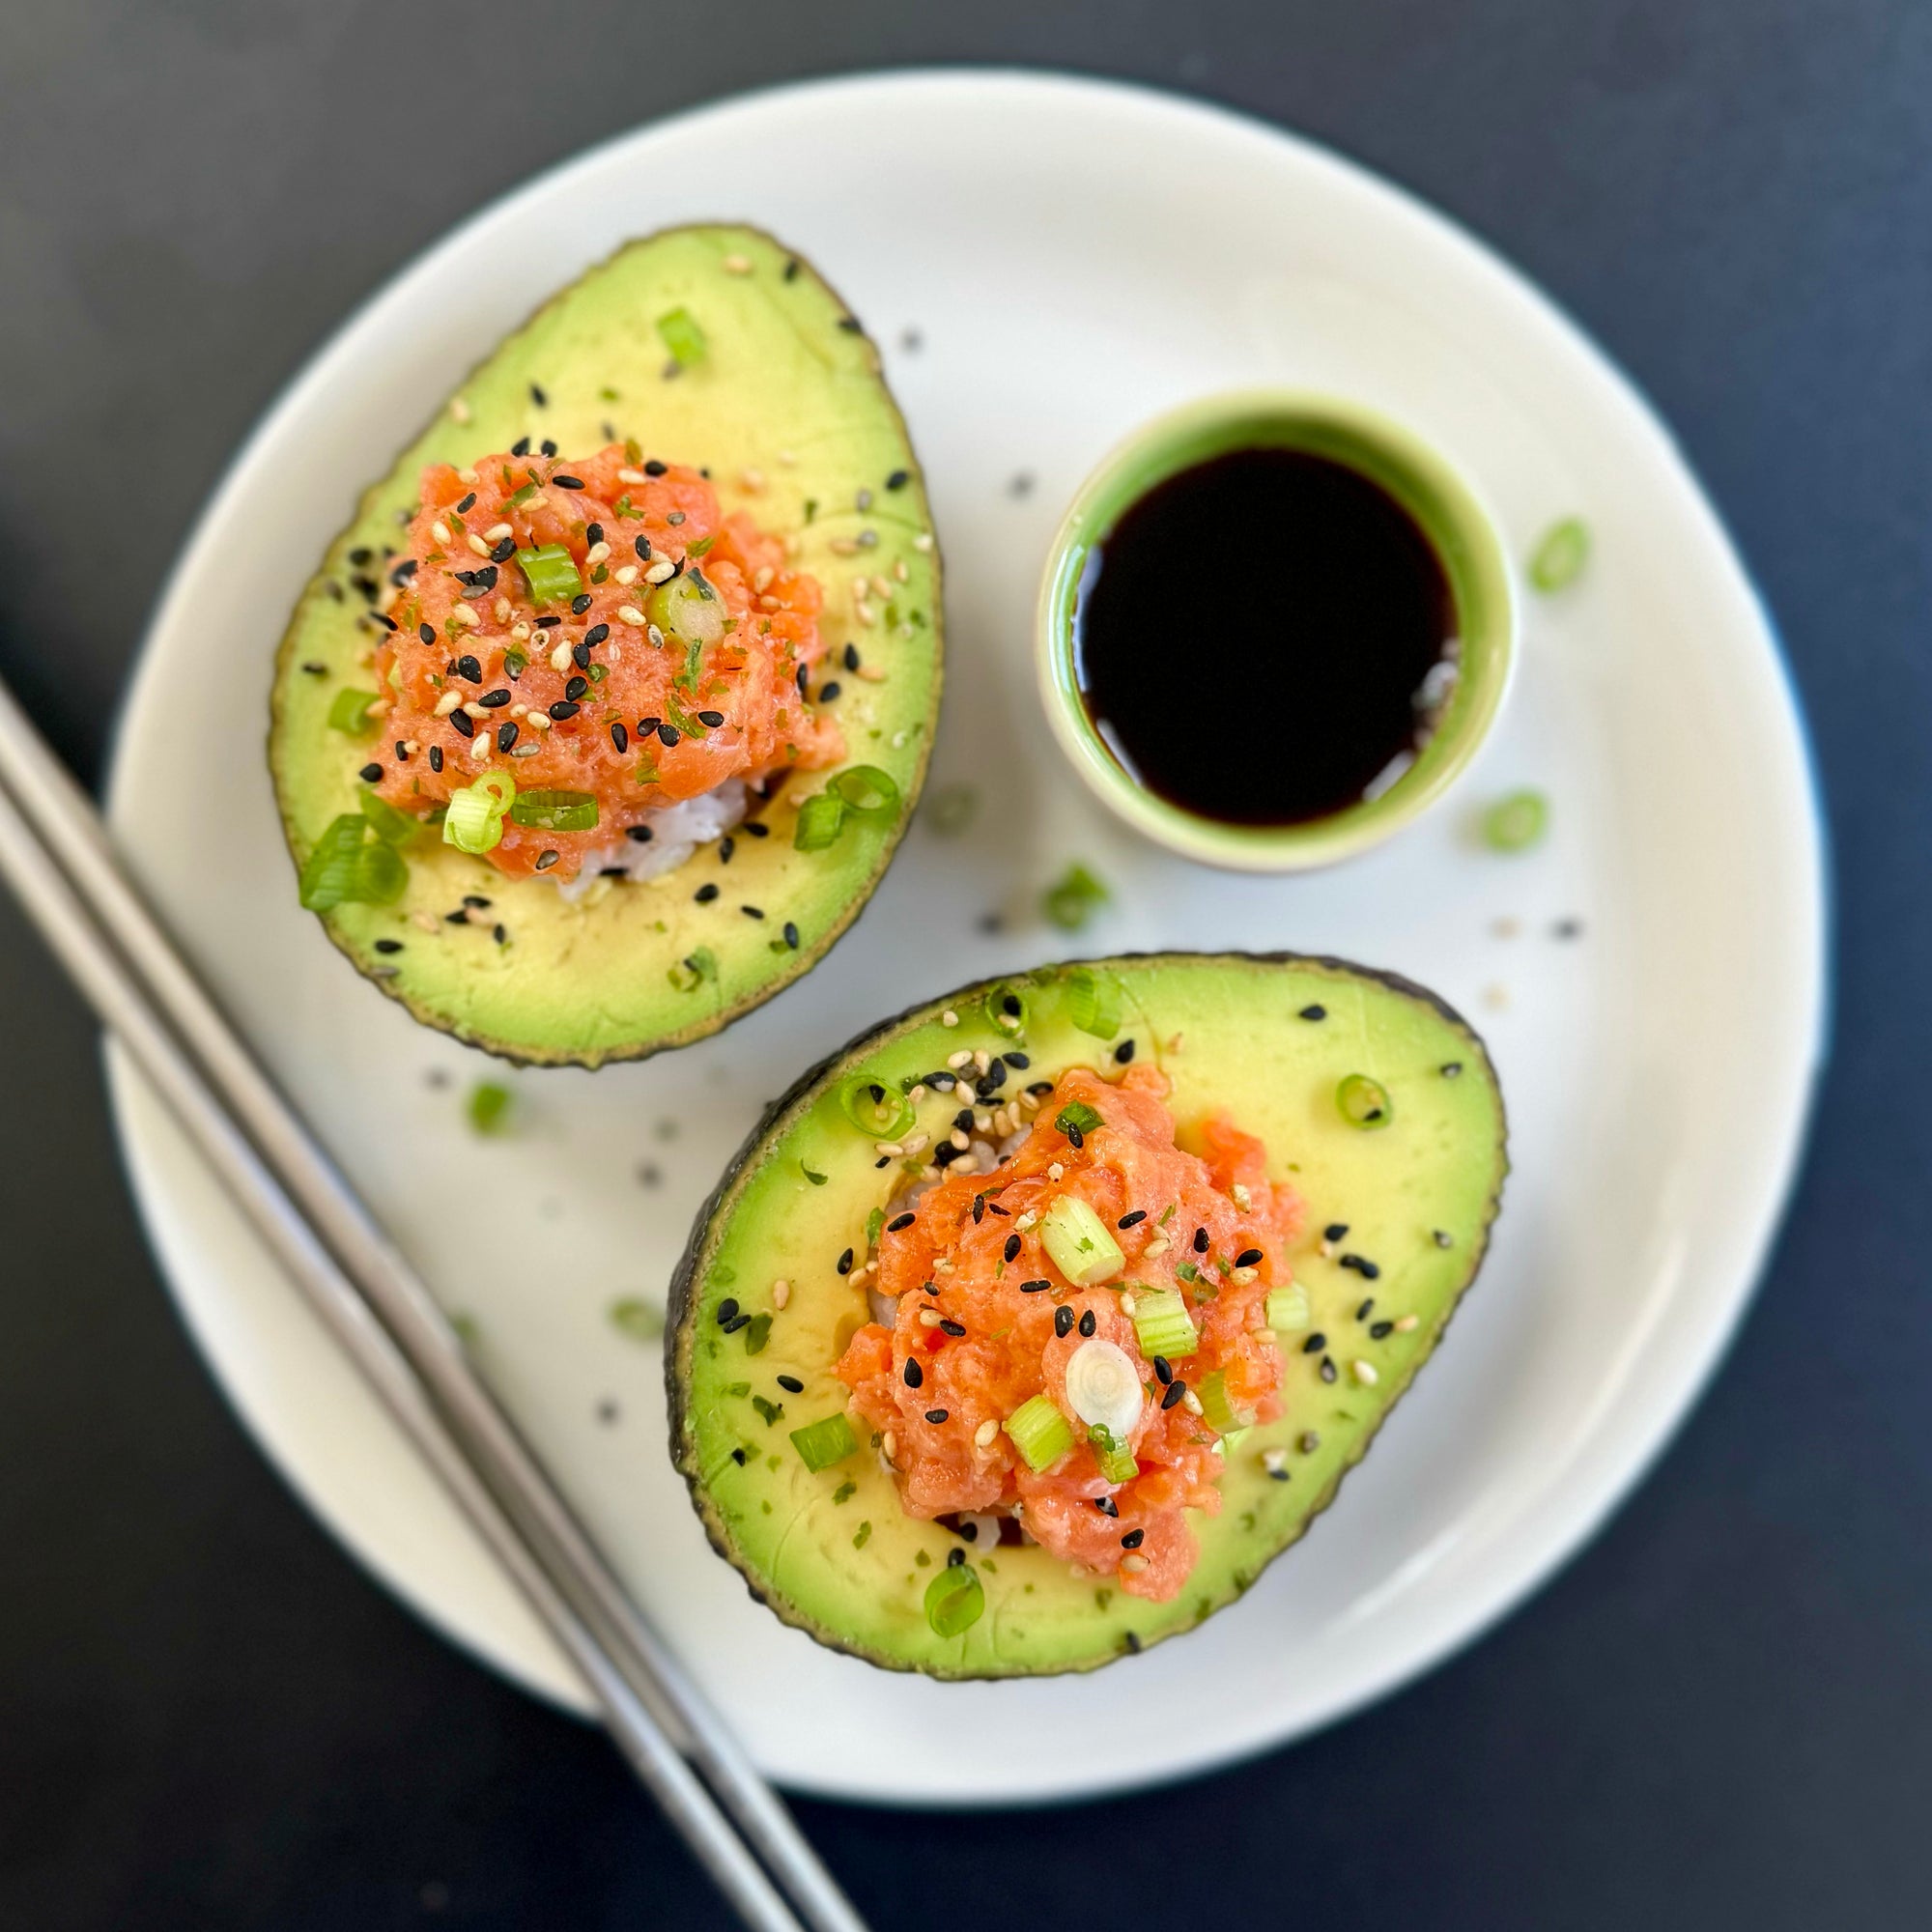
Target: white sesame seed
x: 1243, y: 1275
x: 843, y: 546
x: 889, y: 1442
x: 1191, y: 1402
x: 425, y: 921
x: 767, y: 601
x: 736, y: 265
x: 763, y: 579
x: 957, y: 1138
x: 1406, y: 1323
x: 597, y: 552
x: 949, y: 1018
x: 929, y: 1318
x: 629, y: 477
x: 923, y: 541
x: 1054, y: 1169
x: 1159, y: 1245
x: 477, y: 544
x: 459, y: 409
x: 476, y: 710
x: 955, y: 1060
x: 502, y: 609
x: 1273, y: 1460
x: 539, y: 721
x: 1244, y: 1199
x: 496, y: 532
x: 627, y: 575
x: 462, y: 619
x: 892, y: 1150
x: 560, y: 659
x: 1134, y: 1563
x: 865, y: 613
x: 981, y: 1060
x: 1128, y: 1306
x: 1364, y: 1373
x: 629, y: 613
x: 917, y: 1143
x: 900, y: 571
x: 389, y: 600
x: 871, y: 673
x: 661, y: 571
x: 916, y: 1094
x: 1027, y: 1222
x: 440, y: 530
x: 468, y: 474
x: 781, y: 1293
x: 986, y: 1434
x: 943, y: 1265
x: 520, y: 632
x: 751, y: 481
x: 447, y: 703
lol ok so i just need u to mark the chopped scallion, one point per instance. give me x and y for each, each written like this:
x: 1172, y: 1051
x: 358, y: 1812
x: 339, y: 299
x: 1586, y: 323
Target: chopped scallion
x: 880, y: 1112
x: 1364, y: 1102
x: 1039, y: 1431
x: 1073, y: 899
x: 1116, y: 1460
x: 1516, y: 823
x: 551, y: 573
x: 475, y: 818
x: 1094, y: 1001
x: 820, y: 821
x: 555, y: 811
x: 349, y: 712
x: 820, y: 1444
x: 1219, y: 1407
x: 870, y: 794
x: 1079, y: 1242
x: 346, y: 867
x: 391, y: 824
x: 1076, y: 1120
x: 681, y: 335
x: 1287, y: 1308
x: 955, y: 1600
x: 951, y: 808
x: 1561, y: 555
x: 489, y: 1107
x: 637, y: 1320
x: 1162, y: 1325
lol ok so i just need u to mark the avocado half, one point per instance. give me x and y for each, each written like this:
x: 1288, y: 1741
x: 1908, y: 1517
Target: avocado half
x: 1268, y: 1038
x: 791, y: 415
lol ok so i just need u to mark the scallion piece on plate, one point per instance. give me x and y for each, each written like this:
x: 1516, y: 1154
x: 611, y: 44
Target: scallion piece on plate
x: 489, y: 1107
x: 1076, y: 1120
x: 551, y: 573
x: 1006, y: 1006
x: 1516, y: 823
x: 1073, y: 899
x: 1162, y: 1325
x: 1364, y: 1103
x: 869, y: 793
x: 390, y: 823
x: 955, y: 1600
x: 1079, y: 1242
x: 880, y: 1112
x: 1287, y: 1308
x: 820, y: 1444
x: 680, y: 333
x: 1094, y: 1001
x: 1218, y: 1407
x: 475, y: 819
x: 346, y: 867
x: 1039, y: 1431
x: 349, y: 711
x: 555, y: 811
x: 687, y: 607
x: 820, y: 820
x: 1116, y: 1460
x: 1103, y: 1387
x: 1561, y: 555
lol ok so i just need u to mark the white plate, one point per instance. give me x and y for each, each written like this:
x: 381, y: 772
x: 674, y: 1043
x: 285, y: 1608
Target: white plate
x: 1075, y: 258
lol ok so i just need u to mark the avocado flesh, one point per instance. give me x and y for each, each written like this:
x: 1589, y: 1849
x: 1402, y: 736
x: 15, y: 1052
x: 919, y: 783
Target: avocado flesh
x: 784, y: 390
x: 1438, y: 1168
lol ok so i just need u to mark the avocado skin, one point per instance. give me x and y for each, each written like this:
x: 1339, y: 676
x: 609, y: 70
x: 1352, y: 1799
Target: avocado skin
x: 682, y: 1309
x: 353, y: 929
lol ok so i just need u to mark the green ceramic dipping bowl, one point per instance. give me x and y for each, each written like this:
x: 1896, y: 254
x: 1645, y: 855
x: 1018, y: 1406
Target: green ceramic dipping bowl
x: 1449, y: 513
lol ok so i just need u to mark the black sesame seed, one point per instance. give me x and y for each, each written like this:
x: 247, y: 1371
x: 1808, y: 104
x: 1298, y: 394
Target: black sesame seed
x: 726, y: 845
x: 898, y: 480
x: 898, y: 1224
x: 803, y: 678
x: 791, y: 935
x: 370, y: 773
x: 1452, y: 1069
x: 706, y: 893
x: 1201, y: 1241
x: 548, y: 448
x: 655, y: 469
x: 1063, y: 1321
x: 506, y: 734
x: 388, y: 946
x: 505, y: 550
x: 1443, y: 1238
x: 387, y: 623
x: 1335, y: 1230
x: 1012, y: 1248
x: 1087, y: 1323
x: 1249, y: 1257
x: 736, y: 1323
x: 914, y: 1373
x: 668, y: 736
x: 564, y: 707
x: 954, y: 1557
x: 845, y: 1261
x: 545, y: 861
x: 520, y: 447
x: 1133, y: 1540
x: 595, y: 635
x: 728, y: 1308
x: 477, y: 900
x: 1017, y: 1059
x: 1327, y: 1370
x: 1039, y: 1088
x: 573, y: 690
x: 791, y: 1385
x: 1132, y: 1640
x: 499, y: 934
x: 620, y: 739
x: 1076, y: 1138
x: 568, y: 482
x: 828, y: 691
x: 1175, y: 1390
x: 594, y: 533
x: 851, y: 323
x: 935, y: 1415
x: 494, y: 700
x: 1362, y: 1313
x: 952, y: 1328
x: 1163, y: 1369
x: 1035, y: 1286
x: 580, y: 604
x: 711, y: 719
x: 755, y: 828
x: 469, y: 503
x: 1124, y: 1053
x: 541, y: 400
x: 435, y: 758
x: 792, y: 271
x: 851, y: 657
x: 752, y: 911
x: 427, y: 633
x: 1380, y: 1331
x: 1315, y: 1343
x: 468, y: 666
x: 643, y: 545
x: 1132, y: 1220
x: 1367, y: 1269
x: 579, y: 656
x: 1315, y: 1012
x: 738, y: 1457
x: 1107, y: 1506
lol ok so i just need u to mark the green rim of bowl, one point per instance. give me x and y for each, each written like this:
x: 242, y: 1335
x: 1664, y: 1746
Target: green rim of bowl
x: 1450, y: 514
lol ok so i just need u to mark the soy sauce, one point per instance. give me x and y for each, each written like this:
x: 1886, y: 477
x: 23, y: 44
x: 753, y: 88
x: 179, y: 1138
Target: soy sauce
x: 1263, y: 638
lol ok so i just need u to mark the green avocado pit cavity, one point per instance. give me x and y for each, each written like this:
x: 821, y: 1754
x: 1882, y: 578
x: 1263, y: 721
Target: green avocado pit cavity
x: 797, y: 1497
x: 785, y: 405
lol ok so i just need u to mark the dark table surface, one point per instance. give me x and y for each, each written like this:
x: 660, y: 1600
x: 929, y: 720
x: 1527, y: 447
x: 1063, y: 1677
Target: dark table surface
x: 1720, y: 1716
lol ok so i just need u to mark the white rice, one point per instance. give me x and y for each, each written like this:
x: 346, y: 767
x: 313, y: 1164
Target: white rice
x: 676, y: 832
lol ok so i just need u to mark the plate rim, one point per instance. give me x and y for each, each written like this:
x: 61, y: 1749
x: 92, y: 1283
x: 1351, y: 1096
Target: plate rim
x: 1775, y: 1188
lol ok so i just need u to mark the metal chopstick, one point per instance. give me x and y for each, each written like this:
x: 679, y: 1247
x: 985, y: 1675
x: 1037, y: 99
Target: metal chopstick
x: 111, y: 943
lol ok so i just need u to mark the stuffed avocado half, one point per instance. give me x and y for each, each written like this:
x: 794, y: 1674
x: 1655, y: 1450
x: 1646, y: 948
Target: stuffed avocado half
x: 1026, y: 1330
x: 701, y: 380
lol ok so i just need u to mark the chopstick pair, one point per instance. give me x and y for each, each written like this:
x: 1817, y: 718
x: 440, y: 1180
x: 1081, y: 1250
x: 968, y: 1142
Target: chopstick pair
x: 55, y: 854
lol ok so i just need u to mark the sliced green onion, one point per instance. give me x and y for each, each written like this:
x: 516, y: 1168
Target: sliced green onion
x: 757, y: 1332
x: 1076, y: 1120
x: 1364, y: 1102
x: 637, y: 1320
x: 1116, y: 1460
x: 555, y: 811
x: 551, y: 573
x: 516, y: 663
x: 954, y: 1600
x: 489, y: 1107
x: 1516, y: 823
x: 875, y: 1226
x: 1162, y: 1325
x: 1073, y: 899
x: 346, y: 868
x: 819, y: 820
x: 1039, y: 1431
x: 880, y: 1112
x: 820, y: 1444
x: 475, y: 819
x: 688, y: 608
x: 870, y: 794
x: 1094, y: 1001
x: 1561, y: 555
x: 349, y: 711
x: 1218, y: 1407
x: 951, y: 808
x: 1103, y: 1387
x: 1287, y: 1309
x: 692, y: 969
x: 682, y: 336
x: 1079, y: 1243
x: 1006, y: 1006
x: 390, y: 823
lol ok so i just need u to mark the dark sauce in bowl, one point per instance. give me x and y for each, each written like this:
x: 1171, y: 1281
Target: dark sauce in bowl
x: 1265, y: 639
